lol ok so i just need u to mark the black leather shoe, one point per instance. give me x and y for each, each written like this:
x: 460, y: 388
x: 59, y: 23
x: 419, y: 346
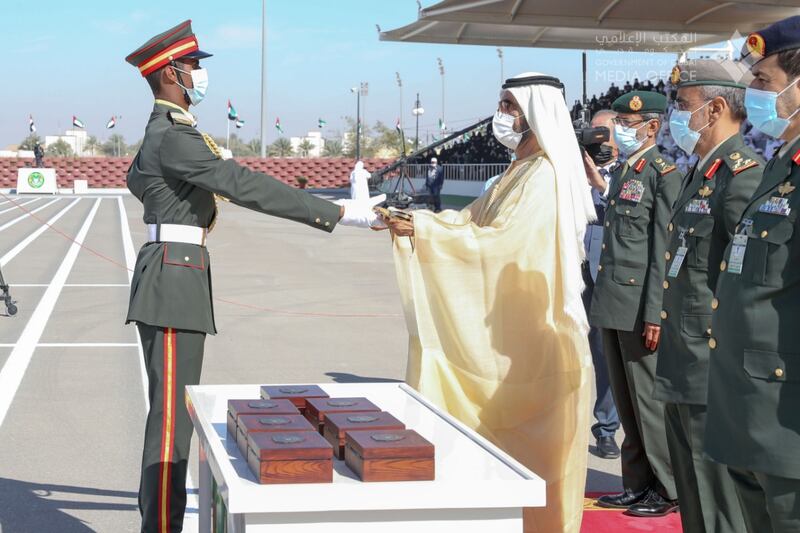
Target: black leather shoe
x: 607, y: 448
x: 623, y: 500
x: 654, y: 504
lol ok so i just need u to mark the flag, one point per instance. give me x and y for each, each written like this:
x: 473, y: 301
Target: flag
x: 77, y: 122
x: 31, y: 125
x: 111, y: 123
x: 397, y: 126
x: 442, y: 125
x: 278, y: 125
x: 322, y: 123
x: 232, y: 114
x: 239, y: 123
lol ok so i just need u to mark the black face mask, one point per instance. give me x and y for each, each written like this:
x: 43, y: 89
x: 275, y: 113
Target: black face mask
x: 601, y: 154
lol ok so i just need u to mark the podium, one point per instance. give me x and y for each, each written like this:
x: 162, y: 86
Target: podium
x: 36, y: 181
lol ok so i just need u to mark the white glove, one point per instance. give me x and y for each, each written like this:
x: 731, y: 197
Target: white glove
x: 359, y: 213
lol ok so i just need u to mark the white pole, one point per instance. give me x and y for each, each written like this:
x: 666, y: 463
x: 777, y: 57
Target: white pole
x: 228, y: 135
x: 263, y: 78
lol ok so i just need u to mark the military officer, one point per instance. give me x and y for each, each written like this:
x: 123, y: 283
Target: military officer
x: 176, y: 175
x: 753, y: 422
x: 626, y: 303
x: 709, y: 111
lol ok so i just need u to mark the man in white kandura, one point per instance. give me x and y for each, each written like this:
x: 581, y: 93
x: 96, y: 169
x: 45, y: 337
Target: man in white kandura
x: 492, y: 301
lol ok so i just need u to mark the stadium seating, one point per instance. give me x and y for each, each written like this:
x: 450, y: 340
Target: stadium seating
x: 110, y: 172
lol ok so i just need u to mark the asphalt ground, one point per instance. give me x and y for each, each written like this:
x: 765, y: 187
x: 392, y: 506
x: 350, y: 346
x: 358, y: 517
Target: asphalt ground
x: 72, y: 402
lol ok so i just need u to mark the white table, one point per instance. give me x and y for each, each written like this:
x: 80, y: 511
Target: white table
x: 478, y: 488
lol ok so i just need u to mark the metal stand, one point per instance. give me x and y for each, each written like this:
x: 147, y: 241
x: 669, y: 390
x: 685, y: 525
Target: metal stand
x: 6, y: 296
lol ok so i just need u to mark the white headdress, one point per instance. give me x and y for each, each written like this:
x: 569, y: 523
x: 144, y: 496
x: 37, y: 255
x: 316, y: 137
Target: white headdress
x: 542, y: 102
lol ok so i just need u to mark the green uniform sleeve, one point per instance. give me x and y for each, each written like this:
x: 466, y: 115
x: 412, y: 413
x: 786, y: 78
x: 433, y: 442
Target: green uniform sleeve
x: 667, y: 189
x: 186, y: 156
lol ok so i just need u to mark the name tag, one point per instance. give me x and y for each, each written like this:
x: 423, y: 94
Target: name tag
x: 699, y: 207
x: 776, y: 205
x: 737, y: 253
x: 632, y: 190
x: 677, y: 263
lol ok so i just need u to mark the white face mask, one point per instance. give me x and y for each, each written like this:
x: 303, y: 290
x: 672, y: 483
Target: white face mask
x: 199, y: 84
x: 503, y: 129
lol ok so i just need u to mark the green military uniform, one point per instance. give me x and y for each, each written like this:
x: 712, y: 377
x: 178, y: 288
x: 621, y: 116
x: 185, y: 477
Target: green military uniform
x: 176, y: 174
x: 753, y: 423
x: 628, y: 293
x: 702, y: 224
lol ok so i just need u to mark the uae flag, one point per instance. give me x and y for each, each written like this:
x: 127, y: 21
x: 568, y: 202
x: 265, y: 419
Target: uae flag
x: 442, y: 125
x: 232, y: 114
x: 397, y: 126
x: 239, y: 123
x: 77, y: 122
x: 111, y: 123
x: 31, y: 125
x: 278, y: 124
x: 321, y: 124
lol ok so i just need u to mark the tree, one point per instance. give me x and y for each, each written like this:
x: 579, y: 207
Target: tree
x: 30, y: 141
x: 305, y: 147
x: 387, y: 141
x: 281, y: 148
x: 350, y: 138
x: 114, y: 146
x: 92, y: 144
x: 60, y: 148
x: 333, y: 148
x: 240, y: 148
x: 255, y: 146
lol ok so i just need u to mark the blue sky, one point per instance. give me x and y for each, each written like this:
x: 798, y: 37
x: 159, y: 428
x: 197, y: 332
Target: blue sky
x: 65, y: 58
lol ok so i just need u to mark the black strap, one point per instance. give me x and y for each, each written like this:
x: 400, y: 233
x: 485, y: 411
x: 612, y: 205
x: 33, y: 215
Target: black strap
x: 533, y: 80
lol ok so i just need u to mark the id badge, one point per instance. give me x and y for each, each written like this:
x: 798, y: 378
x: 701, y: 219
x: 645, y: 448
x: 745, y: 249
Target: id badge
x: 737, y: 253
x: 677, y: 263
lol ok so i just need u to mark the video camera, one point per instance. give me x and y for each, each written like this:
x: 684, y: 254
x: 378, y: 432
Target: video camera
x: 591, y: 139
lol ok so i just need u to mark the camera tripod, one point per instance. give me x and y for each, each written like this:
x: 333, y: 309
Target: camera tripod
x: 5, y: 296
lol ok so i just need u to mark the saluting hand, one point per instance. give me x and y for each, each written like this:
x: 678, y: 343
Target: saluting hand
x: 651, y: 334
x: 596, y: 180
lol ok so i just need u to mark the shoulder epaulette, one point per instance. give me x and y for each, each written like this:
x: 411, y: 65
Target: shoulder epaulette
x: 179, y: 118
x: 738, y: 162
x: 663, y: 166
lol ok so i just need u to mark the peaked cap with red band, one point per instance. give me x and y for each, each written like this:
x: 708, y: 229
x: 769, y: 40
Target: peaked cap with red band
x: 178, y: 42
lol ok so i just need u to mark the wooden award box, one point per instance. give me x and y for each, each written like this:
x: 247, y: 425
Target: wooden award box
x: 297, y: 394
x: 299, y: 457
x: 317, y: 408
x: 337, y: 425
x: 237, y: 408
x: 249, y: 424
x: 396, y: 455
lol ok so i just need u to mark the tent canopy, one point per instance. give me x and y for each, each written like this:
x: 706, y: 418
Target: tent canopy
x: 635, y: 25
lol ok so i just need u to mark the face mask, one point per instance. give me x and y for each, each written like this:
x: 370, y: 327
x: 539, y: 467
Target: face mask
x: 626, y: 140
x: 503, y: 129
x: 685, y: 137
x: 601, y: 154
x: 762, y: 111
x: 199, y: 85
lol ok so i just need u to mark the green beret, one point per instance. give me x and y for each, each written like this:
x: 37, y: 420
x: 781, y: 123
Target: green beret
x: 725, y: 73
x: 780, y: 36
x: 640, y: 102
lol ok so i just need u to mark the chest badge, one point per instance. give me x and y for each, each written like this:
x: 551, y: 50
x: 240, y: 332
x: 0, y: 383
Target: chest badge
x: 786, y: 188
x: 632, y: 190
x: 705, y: 192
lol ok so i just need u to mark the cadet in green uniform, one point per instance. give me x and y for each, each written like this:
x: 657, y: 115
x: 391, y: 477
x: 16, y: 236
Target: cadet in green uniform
x: 753, y: 422
x: 709, y: 111
x: 176, y: 175
x: 626, y: 302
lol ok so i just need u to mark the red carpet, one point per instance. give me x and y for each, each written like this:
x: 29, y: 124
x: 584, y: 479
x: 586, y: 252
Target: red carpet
x: 599, y: 520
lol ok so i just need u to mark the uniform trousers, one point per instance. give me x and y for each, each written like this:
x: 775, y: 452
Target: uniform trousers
x: 770, y: 504
x: 173, y: 359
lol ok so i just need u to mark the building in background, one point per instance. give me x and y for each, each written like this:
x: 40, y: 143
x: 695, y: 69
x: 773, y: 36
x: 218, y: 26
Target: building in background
x: 76, y: 139
x: 311, y: 145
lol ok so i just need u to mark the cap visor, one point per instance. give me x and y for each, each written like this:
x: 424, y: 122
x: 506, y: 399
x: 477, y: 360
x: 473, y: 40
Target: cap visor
x: 198, y: 54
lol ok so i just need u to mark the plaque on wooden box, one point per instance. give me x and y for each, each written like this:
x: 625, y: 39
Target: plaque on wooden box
x: 237, y: 408
x: 294, y: 457
x: 249, y: 424
x: 337, y: 425
x: 297, y: 394
x: 317, y: 408
x: 394, y: 455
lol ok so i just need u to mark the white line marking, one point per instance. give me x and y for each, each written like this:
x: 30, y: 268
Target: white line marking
x: 75, y: 285
x: 87, y: 345
x: 18, y: 206
x: 17, y: 363
x: 26, y: 215
x: 30, y: 238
